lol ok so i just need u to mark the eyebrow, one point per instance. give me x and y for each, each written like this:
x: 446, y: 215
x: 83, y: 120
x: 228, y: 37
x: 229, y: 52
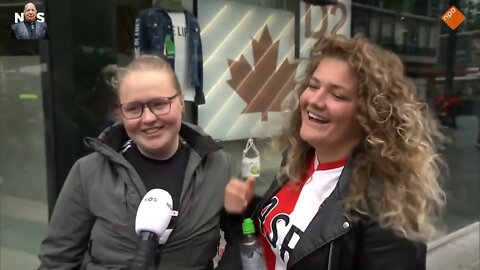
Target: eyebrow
x: 314, y: 79
x: 331, y: 85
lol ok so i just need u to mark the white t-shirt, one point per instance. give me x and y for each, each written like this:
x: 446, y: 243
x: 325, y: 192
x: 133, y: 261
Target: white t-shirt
x: 293, y: 208
x: 180, y: 32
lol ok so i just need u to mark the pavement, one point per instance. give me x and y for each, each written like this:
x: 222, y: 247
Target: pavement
x: 458, y: 251
x: 462, y: 180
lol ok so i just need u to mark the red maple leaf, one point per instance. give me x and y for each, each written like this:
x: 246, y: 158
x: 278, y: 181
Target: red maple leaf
x: 263, y: 87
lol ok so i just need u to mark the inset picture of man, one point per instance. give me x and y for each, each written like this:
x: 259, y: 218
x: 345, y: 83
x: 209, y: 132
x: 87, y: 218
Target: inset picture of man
x: 30, y: 28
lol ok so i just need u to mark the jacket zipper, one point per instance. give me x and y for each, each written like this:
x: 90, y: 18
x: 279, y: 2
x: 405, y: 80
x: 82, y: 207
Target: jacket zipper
x: 329, y: 265
x: 125, y: 191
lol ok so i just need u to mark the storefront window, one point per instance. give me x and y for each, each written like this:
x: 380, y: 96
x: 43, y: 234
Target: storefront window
x: 361, y: 25
x: 374, y: 27
x: 401, y: 32
x: 23, y: 168
x: 23, y: 183
x: 388, y: 29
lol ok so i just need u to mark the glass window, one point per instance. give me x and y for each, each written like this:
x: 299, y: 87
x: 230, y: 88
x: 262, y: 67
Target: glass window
x: 407, y: 6
x: 411, y: 37
x: 360, y: 22
x: 387, y: 29
x: 400, y: 33
x: 434, y: 37
x: 374, y: 26
x: 423, y: 30
x: 23, y: 177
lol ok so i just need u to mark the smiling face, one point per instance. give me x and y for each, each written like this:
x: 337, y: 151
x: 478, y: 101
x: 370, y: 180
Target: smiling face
x: 156, y: 136
x: 30, y: 12
x: 328, y: 109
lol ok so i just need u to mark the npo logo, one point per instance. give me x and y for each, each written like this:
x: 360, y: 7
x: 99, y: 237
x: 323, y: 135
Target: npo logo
x: 19, y: 17
x: 453, y: 17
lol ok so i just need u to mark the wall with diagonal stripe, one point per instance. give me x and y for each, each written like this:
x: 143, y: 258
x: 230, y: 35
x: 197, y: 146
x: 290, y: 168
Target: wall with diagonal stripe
x: 236, y: 53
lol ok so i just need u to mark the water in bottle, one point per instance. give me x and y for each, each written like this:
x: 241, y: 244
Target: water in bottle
x: 251, y: 251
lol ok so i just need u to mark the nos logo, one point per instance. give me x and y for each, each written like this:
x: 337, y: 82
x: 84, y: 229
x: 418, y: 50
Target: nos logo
x: 19, y: 17
x: 150, y: 199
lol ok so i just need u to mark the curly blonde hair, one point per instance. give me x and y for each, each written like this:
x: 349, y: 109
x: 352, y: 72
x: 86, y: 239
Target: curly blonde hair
x: 396, y: 165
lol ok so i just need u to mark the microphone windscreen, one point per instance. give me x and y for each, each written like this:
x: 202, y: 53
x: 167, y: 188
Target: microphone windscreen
x: 154, y: 212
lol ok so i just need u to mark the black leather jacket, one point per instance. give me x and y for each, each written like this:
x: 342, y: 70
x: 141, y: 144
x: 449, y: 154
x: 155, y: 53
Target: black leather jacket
x: 334, y: 242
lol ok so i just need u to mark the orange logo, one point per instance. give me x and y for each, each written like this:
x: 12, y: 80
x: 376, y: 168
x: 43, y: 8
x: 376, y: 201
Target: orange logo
x: 453, y: 17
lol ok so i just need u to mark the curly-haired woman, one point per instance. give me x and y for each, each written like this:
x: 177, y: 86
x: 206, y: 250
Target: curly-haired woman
x: 358, y: 188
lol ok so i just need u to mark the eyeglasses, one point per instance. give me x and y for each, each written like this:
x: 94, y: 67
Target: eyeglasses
x: 158, y: 106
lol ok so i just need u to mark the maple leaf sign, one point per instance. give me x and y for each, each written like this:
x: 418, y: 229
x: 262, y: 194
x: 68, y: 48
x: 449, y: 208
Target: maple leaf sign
x: 263, y: 87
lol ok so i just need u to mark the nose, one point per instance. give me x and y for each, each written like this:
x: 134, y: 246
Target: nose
x: 148, y: 116
x: 319, y: 98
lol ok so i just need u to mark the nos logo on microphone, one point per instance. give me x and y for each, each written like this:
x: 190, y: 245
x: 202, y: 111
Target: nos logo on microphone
x: 153, y: 199
x: 19, y: 17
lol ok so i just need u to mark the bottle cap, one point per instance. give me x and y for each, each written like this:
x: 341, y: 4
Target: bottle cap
x: 248, y: 227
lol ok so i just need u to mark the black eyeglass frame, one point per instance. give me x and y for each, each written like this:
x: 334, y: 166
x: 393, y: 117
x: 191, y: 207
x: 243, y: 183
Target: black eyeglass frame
x: 148, y: 105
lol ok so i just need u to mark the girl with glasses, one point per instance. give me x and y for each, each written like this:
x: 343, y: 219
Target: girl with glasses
x: 93, y: 223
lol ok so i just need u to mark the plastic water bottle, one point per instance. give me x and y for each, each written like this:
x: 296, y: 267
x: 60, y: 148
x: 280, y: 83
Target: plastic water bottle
x: 251, y: 251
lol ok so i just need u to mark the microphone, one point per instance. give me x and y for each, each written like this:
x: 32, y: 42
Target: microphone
x: 153, y: 216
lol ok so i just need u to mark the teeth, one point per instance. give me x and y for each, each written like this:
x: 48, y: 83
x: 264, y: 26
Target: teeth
x: 317, y: 117
x: 151, y: 130
x: 314, y: 116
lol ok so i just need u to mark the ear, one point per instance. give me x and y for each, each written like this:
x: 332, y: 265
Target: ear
x: 182, y: 102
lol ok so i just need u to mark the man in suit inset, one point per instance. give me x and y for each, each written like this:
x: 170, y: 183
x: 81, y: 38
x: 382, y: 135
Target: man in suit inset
x: 30, y: 28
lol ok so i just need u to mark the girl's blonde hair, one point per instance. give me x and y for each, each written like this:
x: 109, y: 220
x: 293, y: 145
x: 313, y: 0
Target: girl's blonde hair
x: 148, y: 62
x: 396, y: 164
